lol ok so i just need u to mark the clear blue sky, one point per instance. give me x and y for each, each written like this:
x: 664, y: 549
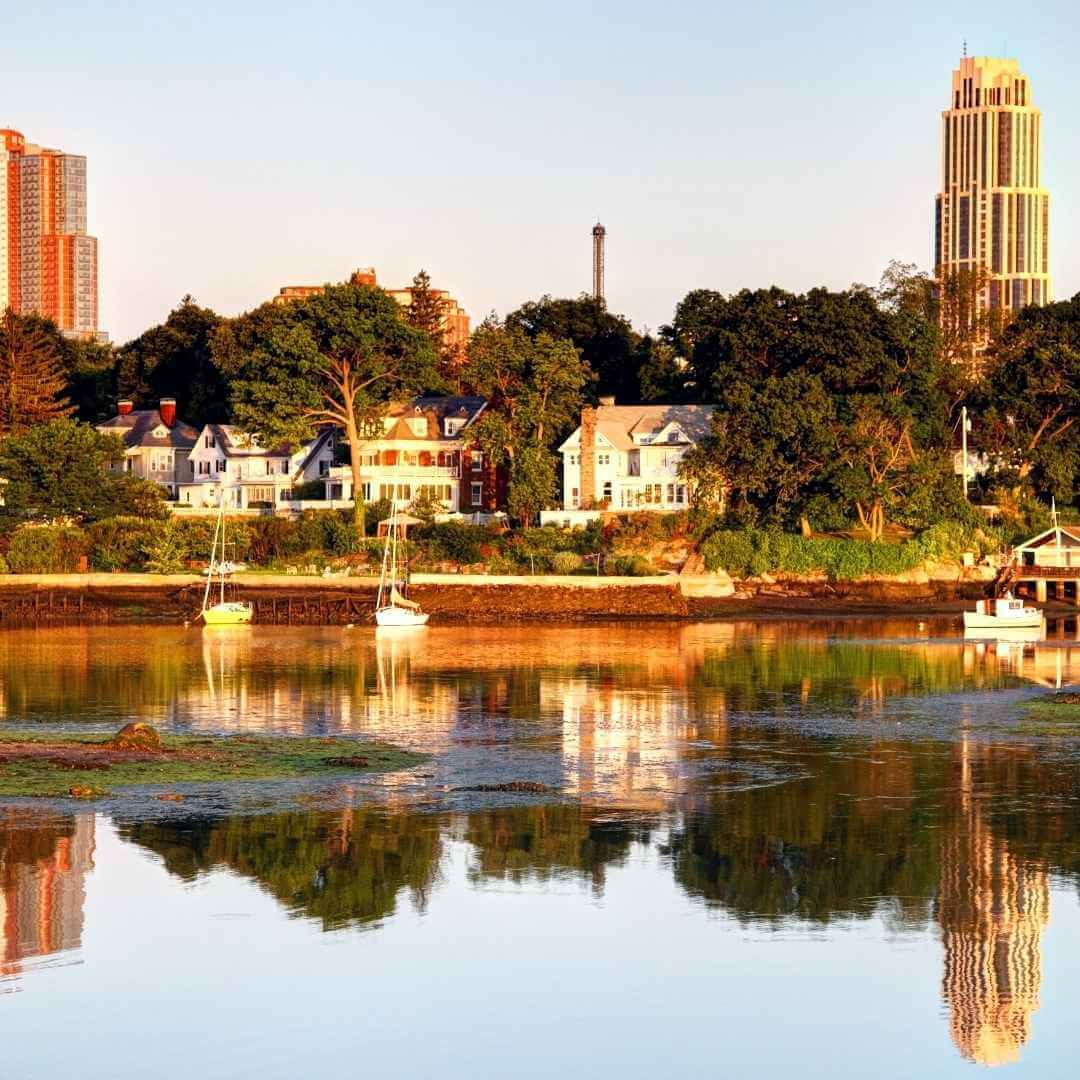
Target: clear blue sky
x: 237, y: 149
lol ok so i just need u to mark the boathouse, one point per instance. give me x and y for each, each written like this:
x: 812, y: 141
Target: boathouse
x: 1048, y: 565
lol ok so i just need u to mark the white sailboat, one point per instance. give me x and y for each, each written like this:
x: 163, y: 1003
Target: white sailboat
x: 223, y: 612
x: 392, y: 606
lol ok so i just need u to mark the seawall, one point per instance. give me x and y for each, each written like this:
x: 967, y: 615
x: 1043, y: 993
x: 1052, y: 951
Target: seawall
x: 44, y: 599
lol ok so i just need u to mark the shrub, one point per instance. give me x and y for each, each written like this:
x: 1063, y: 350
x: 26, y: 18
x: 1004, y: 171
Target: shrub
x: 166, y: 552
x: 566, y: 562
x: 313, y: 490
x: 631, y: 566
x: 4, y: 568
x: 46, y: 549
x: 121, y: 543
x: 454, y: 541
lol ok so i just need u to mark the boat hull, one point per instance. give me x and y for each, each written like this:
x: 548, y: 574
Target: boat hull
x: 974, y: 620
x: 400, y: 617
x: 228, y: 614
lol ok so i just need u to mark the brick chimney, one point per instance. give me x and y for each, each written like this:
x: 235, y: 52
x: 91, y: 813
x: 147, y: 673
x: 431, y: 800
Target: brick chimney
x: 124, y: 406
x: 588, y: 457
x: 167, y: 411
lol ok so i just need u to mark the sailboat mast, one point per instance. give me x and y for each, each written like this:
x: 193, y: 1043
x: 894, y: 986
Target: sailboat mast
x: 210, y: 568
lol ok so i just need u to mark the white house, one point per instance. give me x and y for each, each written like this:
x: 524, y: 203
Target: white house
x: 422, y: 447
x: 627, y: 457
x: 250, y: 475
x: 157, y: 444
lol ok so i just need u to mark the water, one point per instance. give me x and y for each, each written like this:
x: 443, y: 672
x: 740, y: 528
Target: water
x: 797, y: 848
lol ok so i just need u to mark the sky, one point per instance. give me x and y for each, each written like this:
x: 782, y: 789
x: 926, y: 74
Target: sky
x: 244, y: 147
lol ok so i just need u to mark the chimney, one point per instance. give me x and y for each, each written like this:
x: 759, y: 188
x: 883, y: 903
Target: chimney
x: 588, y: 458
x: 124, y: 406
x: 167, y: 411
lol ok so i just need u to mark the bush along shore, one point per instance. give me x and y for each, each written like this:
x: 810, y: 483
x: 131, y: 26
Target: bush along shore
x: 92, y: 766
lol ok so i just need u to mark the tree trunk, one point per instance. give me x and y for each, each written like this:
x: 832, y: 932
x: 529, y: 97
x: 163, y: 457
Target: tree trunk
x: 353, y: 437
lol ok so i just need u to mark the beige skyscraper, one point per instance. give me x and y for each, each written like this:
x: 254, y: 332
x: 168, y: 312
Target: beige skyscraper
x: 991, y: 211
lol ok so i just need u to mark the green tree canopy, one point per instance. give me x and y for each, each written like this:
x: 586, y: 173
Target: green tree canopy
x: 824, y: 397
x: 607, y: 342
x: 534, y: 389
x: 60, y: 469
x: 174, y: 360
x: 333, y: 359
x: 33, y: 383
x: 1027, y: 409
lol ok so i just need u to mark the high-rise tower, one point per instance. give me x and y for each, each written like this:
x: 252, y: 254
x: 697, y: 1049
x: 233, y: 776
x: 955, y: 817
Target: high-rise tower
x: 598, y: 234
x: 991, y: 211
x: 48, y: 263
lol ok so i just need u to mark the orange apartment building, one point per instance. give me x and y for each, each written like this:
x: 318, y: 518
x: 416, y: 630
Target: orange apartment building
x: 48, y: 263
x: 455, y: 321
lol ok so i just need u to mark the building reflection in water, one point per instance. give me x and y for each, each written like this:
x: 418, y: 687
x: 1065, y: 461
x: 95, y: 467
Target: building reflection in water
x: 992, y: 907
x: 43, y: 870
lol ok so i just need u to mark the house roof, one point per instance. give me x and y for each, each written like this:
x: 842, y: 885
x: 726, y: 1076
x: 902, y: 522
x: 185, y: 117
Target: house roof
x: 624, y: 426
x: 235, y: 442
x: 435, y: 410
x: 137, y: 428
x: 1068, y: 535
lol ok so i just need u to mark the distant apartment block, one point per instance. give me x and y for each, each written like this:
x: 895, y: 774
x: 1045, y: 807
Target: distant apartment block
x: 48, y: 263
x: 992, y: 211
x: 455, y: 322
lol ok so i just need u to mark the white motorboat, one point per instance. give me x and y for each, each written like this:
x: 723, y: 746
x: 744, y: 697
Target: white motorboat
x: 393, y: 608
x: 1003, y: 614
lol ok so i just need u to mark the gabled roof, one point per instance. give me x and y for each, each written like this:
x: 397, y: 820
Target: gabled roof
x: 137, y: 428
x: 1065, y: 535
x: 624, y: 426
x: 436, y: 410
x: 235, y: 442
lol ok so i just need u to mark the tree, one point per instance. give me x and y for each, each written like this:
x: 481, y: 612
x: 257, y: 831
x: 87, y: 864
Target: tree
x: 607, y: 341
x: 1028, y: 406
x: 534, y: 389
x: 175, y: 360
x: 33, y: 385
x: 426, y: 309
x: 812, y: 390
x: 334, y: 359
x: 61, y: 469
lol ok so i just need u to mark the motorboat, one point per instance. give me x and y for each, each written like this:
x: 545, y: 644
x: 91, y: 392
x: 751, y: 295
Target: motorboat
x: 1003, y: 614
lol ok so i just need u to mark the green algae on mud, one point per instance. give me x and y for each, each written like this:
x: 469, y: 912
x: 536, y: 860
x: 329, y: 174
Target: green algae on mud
x: 1054, y: 714
x: 90, y: 766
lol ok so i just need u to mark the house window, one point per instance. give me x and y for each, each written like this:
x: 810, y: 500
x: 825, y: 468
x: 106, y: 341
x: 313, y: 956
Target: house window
x: 269, y: 467
x: 261, y: 495
x: 603, y: 459
x: 453, y: 426
x: 477, y: 494
x: 573, y: 459
x: 575, y: 497
x: 209, y: 442
x: 477, y: 461
x: 365, y: 491
x: 680, y: 494
x: 671, y: 493
x: 324, y: 467
x: 284, y: 466
x: 219, y: 465
x: 673, y: 436
x: 607, y: 491
x: 419, y: 427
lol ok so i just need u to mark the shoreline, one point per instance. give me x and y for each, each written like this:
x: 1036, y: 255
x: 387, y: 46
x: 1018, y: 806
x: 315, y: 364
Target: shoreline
x: 54, y: 599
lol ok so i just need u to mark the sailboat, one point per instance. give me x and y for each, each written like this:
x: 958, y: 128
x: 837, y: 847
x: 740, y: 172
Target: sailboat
x: 392, y: 606
x: 224, y: 612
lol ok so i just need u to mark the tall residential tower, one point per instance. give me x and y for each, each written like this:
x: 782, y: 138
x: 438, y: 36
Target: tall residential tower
x: 991, y: 211
x: 48, y: 263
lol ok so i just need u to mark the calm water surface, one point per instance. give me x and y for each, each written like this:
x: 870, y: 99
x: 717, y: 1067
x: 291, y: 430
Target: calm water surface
x: 786, y: 849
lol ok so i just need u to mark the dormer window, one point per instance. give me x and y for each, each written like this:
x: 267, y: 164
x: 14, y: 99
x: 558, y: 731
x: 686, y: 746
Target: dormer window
x: 453, y: 426
x: 419, y: 426
x: 209, y: 442
x: 160, y: 432
x: 673, y: 436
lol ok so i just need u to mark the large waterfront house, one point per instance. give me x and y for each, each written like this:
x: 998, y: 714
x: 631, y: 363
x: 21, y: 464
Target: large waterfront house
x: 627, y: 457
x: 251, y: 476
x: 157, y: 444
x: 421, y: 448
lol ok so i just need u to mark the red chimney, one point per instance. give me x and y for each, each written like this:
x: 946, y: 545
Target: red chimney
x: 124, y: 407
x: 167, y: 411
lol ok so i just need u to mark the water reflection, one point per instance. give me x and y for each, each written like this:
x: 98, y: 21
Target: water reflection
x: 701, y: 752
x: 43, y: 868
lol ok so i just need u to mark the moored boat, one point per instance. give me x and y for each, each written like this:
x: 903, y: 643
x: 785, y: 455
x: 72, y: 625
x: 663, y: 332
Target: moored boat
x: 1003, y: 614
x: 393, y: 607
x: 225, y: 612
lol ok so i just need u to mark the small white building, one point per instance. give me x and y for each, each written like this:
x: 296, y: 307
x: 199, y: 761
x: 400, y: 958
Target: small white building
x: 156, y: 443
x: 423, y: 449
x: 627, y: 457
x: 252, y: 476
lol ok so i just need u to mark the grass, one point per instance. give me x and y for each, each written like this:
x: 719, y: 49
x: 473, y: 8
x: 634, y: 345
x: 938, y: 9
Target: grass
x: 84, y: 766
